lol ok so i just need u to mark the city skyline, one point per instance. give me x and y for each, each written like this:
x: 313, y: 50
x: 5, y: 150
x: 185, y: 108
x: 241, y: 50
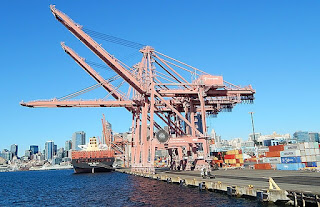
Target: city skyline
x: 275, y: 53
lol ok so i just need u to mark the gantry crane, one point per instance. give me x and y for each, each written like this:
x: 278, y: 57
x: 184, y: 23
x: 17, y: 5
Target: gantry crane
x: 158, y: 91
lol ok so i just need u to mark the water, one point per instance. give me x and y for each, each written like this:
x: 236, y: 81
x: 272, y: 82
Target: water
x: 64, y: 188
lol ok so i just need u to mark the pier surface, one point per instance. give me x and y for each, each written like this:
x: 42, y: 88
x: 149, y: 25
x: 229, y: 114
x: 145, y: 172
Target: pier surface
x: 295, y: 181
x: 294, y: 187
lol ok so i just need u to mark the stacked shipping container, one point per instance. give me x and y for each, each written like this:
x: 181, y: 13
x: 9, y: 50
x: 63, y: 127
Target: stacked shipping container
x: 310, y: 154
x: 234, y: 158
x: 292, y: 157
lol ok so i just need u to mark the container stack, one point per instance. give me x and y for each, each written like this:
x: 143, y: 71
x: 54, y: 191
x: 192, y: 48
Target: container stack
x: 291, y: 158
x: 272, y: 157
x: 234, y: 158
x: 310, y: 154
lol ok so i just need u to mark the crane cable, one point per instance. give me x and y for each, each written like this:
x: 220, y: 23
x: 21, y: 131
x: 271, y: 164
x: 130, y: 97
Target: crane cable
x: 113, y: 39
x: 90, y: 88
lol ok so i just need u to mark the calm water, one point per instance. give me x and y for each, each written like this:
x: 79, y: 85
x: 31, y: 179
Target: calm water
x: 63, y: 188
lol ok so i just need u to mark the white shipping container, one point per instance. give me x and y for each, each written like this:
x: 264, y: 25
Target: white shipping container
x: 301, y: 146
x: 291, y: 147
x: 318, y: 158
x: 312, y: 152
x: 306, y: 145
x: 272, y: 160
x: 317, y: 151
x: 291, y: 153
x: 313, y: 158
x: 318, y: 164
x: 303, y: 159
x: 308, y: 158
x: 316, y: 145
x: 307, y: 152
x: 303, y: 152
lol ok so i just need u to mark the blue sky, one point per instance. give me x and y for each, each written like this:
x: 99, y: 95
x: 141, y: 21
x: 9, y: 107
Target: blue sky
x: 273, y: 45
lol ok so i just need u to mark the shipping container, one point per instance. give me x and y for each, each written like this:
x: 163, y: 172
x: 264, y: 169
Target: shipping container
x: 230, y: 156
x: 303, y: 159
x: 230, y: 161
x: 234, y: 152
x: 292, y: 147
x: 262, y: 166
x: 309, y: 158
x: 276, y: 148
x: 239, y: 156
x: 272, y: 160
x: 312, y: 152
x: 308, y: 153
x: 318, y: 158
x: 290, y: 166
x: 273, y: 154
x: 303, y: 152
x: 301, y: 146
x: 291, y: 153
x: 263, y: 149
x: 311, y: 164
x: 290, y: 160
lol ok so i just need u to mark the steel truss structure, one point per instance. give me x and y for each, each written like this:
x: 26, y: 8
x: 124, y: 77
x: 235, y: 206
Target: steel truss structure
x: 158, y: 93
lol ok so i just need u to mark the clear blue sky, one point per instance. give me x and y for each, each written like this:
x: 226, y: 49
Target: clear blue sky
x: 273, y: 45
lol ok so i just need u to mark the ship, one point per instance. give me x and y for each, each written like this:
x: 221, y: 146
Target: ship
x: 93, y: 158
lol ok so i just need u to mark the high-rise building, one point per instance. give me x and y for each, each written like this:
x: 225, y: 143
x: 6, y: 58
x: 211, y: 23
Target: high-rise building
x: 301, y: 136
x: 314, y: 136
x: 68, y: 148
x: 49, y: 150
x: 14, y: 150
x: 34, y: 149
x: 60, y: 153
x: 6, y: 154
x: 78, y: 138
x: 28, y: 154
x: 68, y: 145
x: 55, y: 149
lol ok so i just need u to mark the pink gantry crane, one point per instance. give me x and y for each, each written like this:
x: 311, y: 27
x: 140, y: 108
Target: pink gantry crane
x: 159, y: 92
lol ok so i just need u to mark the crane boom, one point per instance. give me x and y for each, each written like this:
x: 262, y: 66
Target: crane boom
x: 97, y: 49
x: 77, y: 103
x: 106, y: 85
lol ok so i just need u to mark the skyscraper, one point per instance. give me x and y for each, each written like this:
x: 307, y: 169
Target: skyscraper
x: 55, y: 149
x: 78, y: 138
x: 14, y: 150
x: 34, y: 149
x: 49, y: 150
x: 68, y: 145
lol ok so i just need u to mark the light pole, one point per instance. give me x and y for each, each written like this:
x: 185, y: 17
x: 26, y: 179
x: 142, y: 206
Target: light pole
x: 254, y: 136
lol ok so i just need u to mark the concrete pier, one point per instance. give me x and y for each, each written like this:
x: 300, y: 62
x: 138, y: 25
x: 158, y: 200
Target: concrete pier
x: 292, y: 187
